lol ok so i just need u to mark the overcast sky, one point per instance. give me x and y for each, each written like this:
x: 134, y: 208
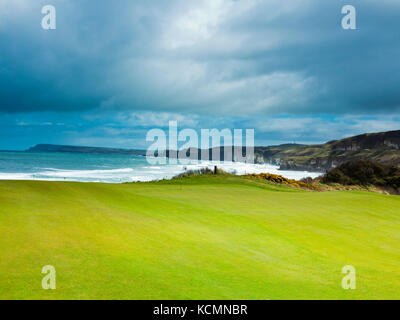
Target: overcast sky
x: 114, y: 69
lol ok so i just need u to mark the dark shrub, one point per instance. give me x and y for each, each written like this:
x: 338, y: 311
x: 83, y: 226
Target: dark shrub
x: 363, y: 172
x: 308, y: 180
x: 200, y: 172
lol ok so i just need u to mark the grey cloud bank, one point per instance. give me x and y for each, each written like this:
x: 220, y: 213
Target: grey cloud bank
x: 213, y: 56
x: 112, y: 69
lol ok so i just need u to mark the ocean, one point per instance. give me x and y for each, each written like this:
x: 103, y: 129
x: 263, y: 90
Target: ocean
x: 112, y: 168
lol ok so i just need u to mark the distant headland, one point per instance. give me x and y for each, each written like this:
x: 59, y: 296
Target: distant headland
x: 382, y: 147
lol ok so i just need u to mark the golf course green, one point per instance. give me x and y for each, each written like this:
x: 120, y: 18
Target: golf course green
x: 201, y: 237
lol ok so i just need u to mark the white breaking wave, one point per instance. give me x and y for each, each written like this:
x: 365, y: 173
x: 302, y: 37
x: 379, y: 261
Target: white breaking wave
x: 85, y: 173
x: 15, y: 176
x: 150, y: 173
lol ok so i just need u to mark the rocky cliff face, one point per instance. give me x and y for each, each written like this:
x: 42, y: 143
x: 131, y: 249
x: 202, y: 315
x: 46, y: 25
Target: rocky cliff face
x: 391, y: 144
x: 381, y: 147
x: 318, y: 165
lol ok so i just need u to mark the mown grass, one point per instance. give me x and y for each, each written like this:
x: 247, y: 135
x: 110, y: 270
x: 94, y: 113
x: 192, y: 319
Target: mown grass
x: 202, y: 237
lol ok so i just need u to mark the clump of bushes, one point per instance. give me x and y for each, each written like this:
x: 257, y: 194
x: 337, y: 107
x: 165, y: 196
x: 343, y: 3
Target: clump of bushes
x: 275, y: 178
x: 364, y: 173
x: 307, y: 180
x: 201, y: 171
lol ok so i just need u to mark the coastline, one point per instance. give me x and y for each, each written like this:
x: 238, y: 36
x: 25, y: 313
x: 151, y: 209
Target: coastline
x: 116, y: 168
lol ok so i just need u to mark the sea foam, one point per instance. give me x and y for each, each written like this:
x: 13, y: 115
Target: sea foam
x: 116, y: 169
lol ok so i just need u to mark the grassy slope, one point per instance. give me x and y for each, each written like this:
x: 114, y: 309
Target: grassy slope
x: 203, y: 238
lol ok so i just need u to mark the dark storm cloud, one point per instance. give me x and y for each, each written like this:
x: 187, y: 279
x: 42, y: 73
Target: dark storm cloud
x: 214, y: 56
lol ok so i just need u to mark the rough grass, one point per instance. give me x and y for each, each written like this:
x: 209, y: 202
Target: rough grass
x: 202, y: 237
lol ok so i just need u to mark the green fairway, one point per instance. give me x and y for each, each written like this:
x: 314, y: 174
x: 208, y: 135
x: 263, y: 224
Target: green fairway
x: 205, y: 237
